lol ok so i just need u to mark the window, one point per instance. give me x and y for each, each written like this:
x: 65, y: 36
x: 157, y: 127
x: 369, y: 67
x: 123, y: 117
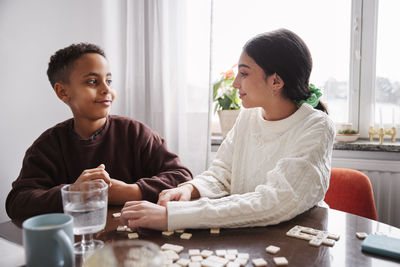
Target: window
x: 354, y: 46
x: 387, y: 86
x: 324, y: 26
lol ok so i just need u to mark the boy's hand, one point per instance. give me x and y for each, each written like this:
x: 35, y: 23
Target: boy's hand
x: 122, y: 192
x: 95, y: 175
x: 181, y: 193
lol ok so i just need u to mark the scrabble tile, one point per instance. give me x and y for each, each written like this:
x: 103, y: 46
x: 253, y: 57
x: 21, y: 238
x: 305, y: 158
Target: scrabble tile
x: 133, y: 236
x: 167, y: 261
x: 196, y: 258
x: 127, y: 229
x: 243, y: 255
x: 180, y: 231
x: 170, y: 255
x: 232, y: 251
x: 176, y: 248
x: 280, y: 261
x: 220, y: 252
x: 334, y: 236
x: 361, y: 235
x: 293, y: 233
x: 121, y: 228
x: 214, y: 231
x: 230, y: 257
x: 259, y: 262
x: 186, y: 236
x: 241, y: 261
x: 206, y: 253
x: 194, y: 252
x: 117, y: 215
x: 183, y: 262
x: 272, y: 249
x: 309, y: 230
x: 194, y: 264
x: 208, y: 263
x: 167, y: 233
x: 233, y: 264
x: 315, y: 242
x: 217, y: 259
x: 304, y: 236
x: 328, y: 242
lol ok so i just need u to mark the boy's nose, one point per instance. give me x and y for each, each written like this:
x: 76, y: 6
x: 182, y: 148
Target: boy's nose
x: 105, y: 88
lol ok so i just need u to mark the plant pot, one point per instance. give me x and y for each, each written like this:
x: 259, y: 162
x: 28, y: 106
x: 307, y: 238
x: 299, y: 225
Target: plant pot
x: 227, y: 119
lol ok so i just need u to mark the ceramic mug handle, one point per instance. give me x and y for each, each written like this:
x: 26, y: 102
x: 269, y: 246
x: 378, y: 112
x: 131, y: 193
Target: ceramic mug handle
x: 66, y: 247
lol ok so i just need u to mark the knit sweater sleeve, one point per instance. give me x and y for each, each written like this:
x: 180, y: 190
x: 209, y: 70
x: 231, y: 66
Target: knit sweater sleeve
x: 37, y: 189
x: 296, y: 183
x: 162, y: 169
x: 216, y: 181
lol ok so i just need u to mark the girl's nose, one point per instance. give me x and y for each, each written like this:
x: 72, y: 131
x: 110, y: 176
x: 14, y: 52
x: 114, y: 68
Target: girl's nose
x: 236, y: 83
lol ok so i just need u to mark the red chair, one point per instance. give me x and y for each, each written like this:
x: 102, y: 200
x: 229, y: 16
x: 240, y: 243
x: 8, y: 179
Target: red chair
x: 351, y: 191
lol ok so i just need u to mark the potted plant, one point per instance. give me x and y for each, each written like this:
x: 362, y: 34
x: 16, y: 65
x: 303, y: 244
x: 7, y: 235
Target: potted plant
x: 346, y: 133
x: 227, y: 101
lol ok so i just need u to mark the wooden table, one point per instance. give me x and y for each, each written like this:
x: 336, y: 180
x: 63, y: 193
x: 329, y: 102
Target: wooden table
x: 346, y: 251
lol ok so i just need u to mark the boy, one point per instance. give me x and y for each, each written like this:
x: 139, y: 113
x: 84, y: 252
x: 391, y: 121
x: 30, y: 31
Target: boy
x: 93, y: 145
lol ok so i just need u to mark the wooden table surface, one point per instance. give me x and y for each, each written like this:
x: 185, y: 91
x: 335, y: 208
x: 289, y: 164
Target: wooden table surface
x: 346, y: 251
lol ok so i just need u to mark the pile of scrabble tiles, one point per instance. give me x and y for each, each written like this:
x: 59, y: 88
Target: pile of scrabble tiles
x: 315, y: 237
x: 207, y: 258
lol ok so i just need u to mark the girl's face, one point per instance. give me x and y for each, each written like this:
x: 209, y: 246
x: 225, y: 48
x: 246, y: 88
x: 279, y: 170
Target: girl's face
x: 255, y: 88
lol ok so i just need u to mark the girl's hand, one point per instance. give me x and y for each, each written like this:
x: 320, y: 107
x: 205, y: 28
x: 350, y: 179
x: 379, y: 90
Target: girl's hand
x: 145, y: 214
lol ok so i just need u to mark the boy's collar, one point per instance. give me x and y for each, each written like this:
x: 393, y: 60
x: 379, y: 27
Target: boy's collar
x: 93, y: 135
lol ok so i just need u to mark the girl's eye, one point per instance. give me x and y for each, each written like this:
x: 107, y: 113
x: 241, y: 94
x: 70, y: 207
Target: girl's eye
x: 243, y: 74
x: 109, y: 82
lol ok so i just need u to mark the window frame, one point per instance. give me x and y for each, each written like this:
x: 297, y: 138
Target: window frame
x: 362, y: 108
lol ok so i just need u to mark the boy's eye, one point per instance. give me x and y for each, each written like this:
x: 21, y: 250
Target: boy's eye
x: 92, y: 82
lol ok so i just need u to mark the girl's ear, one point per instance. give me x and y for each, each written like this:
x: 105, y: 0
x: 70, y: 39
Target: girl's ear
x: 278, y: 82
x: 61, y: 92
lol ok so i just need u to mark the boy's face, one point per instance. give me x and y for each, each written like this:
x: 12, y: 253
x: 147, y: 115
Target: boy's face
x: 89, y: 92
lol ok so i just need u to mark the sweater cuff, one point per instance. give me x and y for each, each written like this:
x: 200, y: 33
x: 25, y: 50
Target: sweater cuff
x: 206, y: 189
x: 181, y: 214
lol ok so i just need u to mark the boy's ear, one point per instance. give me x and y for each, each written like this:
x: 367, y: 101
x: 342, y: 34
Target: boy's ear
x: 61, y: 92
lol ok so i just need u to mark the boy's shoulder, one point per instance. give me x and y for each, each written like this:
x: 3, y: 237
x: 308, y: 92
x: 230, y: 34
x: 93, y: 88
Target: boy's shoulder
x: 132, y: 125
x: 53, y: 134
x: 58, y: 129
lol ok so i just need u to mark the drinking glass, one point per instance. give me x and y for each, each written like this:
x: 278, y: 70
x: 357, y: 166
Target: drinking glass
x: 86, y: 202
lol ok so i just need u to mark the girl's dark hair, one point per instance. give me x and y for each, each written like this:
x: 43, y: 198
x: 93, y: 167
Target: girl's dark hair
x: 61, y: 62
x: 283, y: 52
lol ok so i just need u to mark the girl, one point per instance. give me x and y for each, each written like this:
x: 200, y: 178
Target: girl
x: 273, y: 165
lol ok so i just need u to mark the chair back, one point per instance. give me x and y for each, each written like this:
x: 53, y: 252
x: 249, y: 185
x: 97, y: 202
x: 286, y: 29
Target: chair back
x: 351, y: 191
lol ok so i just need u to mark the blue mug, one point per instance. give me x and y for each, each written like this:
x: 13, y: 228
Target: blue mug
x: 48, y: 240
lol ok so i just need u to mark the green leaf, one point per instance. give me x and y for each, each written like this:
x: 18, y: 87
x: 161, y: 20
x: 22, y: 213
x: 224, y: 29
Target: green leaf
x: 215, y: 89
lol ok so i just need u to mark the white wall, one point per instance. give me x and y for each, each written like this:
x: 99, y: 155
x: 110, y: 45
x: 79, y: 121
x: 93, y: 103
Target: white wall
x: 30, y: 32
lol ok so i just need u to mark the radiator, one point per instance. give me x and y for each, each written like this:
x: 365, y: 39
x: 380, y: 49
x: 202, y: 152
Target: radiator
x: 385, y: 180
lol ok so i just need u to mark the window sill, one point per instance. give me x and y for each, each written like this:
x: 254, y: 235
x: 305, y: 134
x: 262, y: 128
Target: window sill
x: 366, y: 145
x: 359, y: 145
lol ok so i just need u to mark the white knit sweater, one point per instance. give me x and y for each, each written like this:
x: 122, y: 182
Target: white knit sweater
x: 265, y: 172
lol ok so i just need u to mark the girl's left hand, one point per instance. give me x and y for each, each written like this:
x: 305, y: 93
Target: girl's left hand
x: 145, y: 214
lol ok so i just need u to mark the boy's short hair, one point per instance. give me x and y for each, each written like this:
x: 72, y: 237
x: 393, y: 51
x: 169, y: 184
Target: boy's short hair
x: 61, y: 62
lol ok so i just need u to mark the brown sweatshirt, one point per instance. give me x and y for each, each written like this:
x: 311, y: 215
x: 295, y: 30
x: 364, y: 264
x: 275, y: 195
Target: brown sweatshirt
x: 130, y: 150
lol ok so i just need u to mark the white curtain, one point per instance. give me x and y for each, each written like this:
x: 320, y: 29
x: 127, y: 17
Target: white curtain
x: 167, y: 79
